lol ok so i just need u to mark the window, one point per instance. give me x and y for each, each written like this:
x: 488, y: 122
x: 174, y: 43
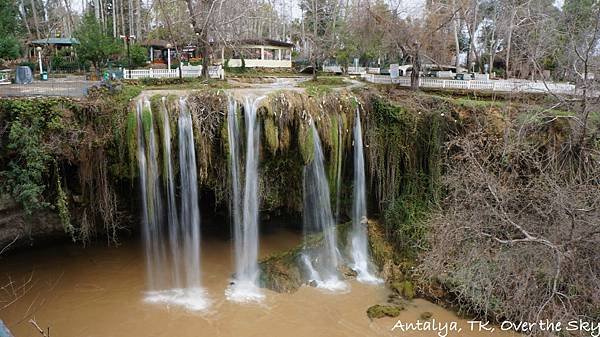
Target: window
x: 250, y: 53
x: 271, y: 54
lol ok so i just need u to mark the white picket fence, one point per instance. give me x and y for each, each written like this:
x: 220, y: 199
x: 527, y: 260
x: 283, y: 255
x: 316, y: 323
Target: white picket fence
x: 186, y: 71
x: 352, y: 70
x: 489, y: 85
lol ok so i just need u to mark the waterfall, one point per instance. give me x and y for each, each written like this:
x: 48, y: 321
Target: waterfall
x: 174, y: 226
x: 359, y: 237
x: 321, y: 262
x: 245, y: 220
x: 233, y: 135
x: 152, y: 210
x: 174, y: 280
x: 190, y: 214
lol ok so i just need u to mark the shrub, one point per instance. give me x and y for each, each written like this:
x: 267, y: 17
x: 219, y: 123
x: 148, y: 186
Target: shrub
x: 9, y: 48
x: 139, y: 55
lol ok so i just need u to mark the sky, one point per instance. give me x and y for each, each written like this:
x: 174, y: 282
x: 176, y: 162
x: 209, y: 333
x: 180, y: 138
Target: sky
x: 407, y: 7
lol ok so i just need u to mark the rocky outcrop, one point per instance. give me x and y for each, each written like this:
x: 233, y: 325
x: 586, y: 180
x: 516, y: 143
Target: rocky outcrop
x: 18, y: 229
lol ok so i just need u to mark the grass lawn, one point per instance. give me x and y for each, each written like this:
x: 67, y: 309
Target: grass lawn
x: 323, y: 85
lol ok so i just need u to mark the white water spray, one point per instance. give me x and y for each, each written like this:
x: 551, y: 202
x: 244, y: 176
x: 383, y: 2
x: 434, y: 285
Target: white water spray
x: 321, y: 262
x: 245, y: 220
x: 359, y: 236
x: 175, y: 280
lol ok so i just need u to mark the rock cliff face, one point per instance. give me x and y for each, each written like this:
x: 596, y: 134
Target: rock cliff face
x: 69, y: 168
x: 17, y: 228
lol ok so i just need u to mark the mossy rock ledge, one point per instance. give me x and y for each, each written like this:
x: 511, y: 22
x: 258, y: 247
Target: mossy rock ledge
x: 283, y: 272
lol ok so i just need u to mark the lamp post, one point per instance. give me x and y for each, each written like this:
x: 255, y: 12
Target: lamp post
x: 169, y: 57
x: 39, y: 50
x: 127, y: 39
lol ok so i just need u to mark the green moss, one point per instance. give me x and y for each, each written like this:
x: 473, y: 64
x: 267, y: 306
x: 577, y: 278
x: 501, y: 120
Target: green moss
x: 410, y: 142
x: 335, y: 159
x: 271, y: 135
x: 306, y: 143
x: 281, y: 182
x: 323, y: 85
x: 281, y: 272
x: 285, y: 138
x: 62, y: 206
x: 147, y: 122
x: 132, y: 130
x: 476, y: 103
x: 380, y: 311
x: 404, y: 288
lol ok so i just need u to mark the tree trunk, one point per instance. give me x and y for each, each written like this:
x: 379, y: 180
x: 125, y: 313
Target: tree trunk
x: 69, y: 18
x: 416, y: 63
x: 138, y: 20
x: 122, y: 15
x: 472, y: 31
x: 314, y: 47
x: 114, y: 18
x: 36, y: 23
x: 130, y: 12
x: 509, y: 43
x: 456, y: 41
x: 492, y: 54
x: 24, y: 19
x: 201, y: 34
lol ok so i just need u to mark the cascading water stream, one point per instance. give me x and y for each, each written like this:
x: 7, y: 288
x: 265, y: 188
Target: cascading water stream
x: 190, y: 213
x: 233, y: 133
x: 322, y: 261
x: 245, y: 220
x: 359, y: 236
x: 173, y: 221
x: 151, y: 197
x: 175, y: 280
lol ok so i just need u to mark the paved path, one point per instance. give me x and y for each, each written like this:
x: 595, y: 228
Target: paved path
x: 66, y: 87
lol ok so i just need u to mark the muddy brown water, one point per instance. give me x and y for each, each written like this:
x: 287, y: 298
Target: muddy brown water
x: 99, y: 291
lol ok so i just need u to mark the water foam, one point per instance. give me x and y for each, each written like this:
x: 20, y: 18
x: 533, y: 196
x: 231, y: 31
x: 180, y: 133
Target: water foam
x: 244, y: 292
x: 193, y: 299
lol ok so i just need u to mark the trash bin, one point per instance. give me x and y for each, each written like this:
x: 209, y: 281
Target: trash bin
x: 44, y: 76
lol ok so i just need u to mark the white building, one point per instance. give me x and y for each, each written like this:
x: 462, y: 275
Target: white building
x: 257, y: 53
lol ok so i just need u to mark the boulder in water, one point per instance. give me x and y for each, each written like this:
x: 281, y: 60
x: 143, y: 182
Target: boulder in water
x: 384, y: 310
x: 348, y: 272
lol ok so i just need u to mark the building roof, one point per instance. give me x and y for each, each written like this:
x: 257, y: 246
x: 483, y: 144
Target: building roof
x: 265, y: 42
x: 60, y: 41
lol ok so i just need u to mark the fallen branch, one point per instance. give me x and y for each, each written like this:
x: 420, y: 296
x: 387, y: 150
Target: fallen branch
x: 8, y: 245
x: 34, y: 323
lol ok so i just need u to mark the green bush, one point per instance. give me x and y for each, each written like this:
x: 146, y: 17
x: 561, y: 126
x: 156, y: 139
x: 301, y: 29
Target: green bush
x: 27, y: 157
x: 139, y: 55
x: 31, y: 65
x: 9, y: 48
x: 404, y: 220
